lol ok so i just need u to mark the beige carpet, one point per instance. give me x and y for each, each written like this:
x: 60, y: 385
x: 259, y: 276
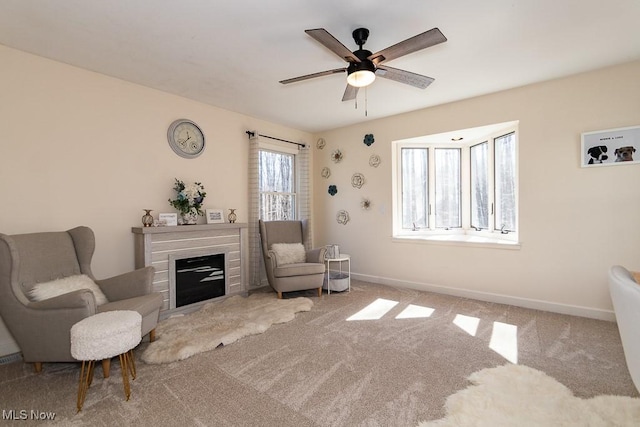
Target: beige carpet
x: 320, y: 369
x: 514, y: 395
x: 220, y: 323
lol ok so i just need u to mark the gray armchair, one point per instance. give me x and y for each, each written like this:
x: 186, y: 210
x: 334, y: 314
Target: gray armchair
x: 42, y: 328
x: 296, y: 276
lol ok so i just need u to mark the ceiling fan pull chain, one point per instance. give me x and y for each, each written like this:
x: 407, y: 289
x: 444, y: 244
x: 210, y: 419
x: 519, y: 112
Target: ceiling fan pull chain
x: 366, y: 106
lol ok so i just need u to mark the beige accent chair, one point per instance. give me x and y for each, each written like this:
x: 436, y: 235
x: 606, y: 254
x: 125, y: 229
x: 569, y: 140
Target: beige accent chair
x: 42, y: 329
x: 291, y: 277
x: 625, y: 295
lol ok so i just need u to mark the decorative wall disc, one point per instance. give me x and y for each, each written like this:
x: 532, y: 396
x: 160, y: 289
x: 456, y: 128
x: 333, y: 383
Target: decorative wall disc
x: 333, y: 190
x: 325, y: 173
x: 374, y: 160
x: 336, y: 156
x: 365, y: 204
x: 342, y: 217
x: 357, y: 180
x: 320, y: 143
x: 369, y: 139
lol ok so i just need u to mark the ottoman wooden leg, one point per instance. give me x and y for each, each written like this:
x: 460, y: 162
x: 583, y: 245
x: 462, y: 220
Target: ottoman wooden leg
x: 106, y: 367
x: 132, y: 364
x: 124, y: 367
x: 86, y: 376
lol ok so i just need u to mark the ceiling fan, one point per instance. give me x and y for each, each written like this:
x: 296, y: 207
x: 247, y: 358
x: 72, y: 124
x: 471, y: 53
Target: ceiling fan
x: 364, y: 66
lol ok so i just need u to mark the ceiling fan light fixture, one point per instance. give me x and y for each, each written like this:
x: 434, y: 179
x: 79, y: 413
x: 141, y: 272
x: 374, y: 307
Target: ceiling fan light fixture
x: 361, y: 74
x: 361, y: 78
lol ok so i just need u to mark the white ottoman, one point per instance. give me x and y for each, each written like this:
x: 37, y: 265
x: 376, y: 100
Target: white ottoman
x: 103, y: 336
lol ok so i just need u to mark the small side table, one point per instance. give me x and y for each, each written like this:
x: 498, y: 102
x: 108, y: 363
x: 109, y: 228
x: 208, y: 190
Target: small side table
x: 341, y: 259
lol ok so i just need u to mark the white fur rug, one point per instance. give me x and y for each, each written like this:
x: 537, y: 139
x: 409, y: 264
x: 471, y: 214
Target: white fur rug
x: 220, y: 323
x: 514, y: 395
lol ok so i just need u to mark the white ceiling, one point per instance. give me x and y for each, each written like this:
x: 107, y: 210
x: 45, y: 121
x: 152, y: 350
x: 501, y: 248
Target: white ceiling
x: 232, y: 54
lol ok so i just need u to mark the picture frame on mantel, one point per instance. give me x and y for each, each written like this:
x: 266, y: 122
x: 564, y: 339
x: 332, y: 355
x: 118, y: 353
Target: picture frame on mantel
x: 168, y: 219
x: 214, y: 216
x: 610, y: 147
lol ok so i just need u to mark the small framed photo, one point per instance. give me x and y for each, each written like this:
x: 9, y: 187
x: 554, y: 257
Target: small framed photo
x: 215, y: 216
x: 610, y: 147
x: 168, y: 219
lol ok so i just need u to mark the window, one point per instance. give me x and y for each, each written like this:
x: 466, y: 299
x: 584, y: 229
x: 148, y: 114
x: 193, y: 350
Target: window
x: 415, y: 203
x: 460, y: 188
x: 505, y: 176
x: 479, y: 186
x: 276, y: 185
x: 447, y: 188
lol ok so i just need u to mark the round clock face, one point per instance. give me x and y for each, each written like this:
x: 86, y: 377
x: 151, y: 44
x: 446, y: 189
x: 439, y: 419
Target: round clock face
x: 186, y: 138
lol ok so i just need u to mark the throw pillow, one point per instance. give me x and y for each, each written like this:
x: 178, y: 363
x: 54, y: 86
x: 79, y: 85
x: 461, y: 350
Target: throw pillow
x: 289, y: 253
x: 46, y: 290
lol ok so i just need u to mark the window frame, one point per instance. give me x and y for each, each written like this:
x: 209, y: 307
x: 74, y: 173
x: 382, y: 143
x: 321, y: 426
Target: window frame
x: 283, y: 150
x: 434, y: 183
x: 466, y: 233
x: 496, y: 225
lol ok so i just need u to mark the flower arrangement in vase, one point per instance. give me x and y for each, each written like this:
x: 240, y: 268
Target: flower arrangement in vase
x: 188, y: 201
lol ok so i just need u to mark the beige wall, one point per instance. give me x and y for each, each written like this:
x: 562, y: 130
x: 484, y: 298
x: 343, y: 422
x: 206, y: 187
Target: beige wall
x: 77, y: 147
x: 574, y: 222
x: 80, y: 148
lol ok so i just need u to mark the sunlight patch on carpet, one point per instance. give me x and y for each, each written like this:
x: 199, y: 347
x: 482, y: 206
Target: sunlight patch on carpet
x: 504, y: 341
x: 374, y: 311
x: 413, y: 311
x: 515, y: 395
x: 468, y: 324
x: 220, y: 323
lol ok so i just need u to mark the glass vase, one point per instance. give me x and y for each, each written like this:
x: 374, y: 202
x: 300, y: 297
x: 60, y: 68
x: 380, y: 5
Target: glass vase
x: 232, y: 216
x: 147, y: 218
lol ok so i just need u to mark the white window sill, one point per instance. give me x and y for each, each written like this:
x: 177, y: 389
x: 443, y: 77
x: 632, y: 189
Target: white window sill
x: 458, y: 240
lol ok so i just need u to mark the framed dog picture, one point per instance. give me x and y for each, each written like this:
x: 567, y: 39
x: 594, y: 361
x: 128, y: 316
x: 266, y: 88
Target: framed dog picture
x: 215, y: 216
x: 611, y: 147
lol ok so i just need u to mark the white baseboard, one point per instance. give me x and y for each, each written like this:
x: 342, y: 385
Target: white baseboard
x: 553, y: 307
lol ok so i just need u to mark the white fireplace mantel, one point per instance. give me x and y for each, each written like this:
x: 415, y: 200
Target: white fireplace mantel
x: 155, y: 246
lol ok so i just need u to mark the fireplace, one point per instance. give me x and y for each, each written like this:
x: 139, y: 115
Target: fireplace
x: 160, y: 247
x: 196, y: 277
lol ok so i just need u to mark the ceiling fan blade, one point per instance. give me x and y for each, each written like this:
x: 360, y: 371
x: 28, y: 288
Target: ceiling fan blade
x: 406, y: 77
x: 331, y: 43
x: 314, y: 75
x: 350, y: 93
x: 413, y: 44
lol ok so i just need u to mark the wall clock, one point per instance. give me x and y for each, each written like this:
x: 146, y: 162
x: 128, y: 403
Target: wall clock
x: 185, y: 138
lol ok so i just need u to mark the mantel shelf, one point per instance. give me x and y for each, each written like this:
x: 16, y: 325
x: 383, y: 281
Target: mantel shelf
x: 185, y: 228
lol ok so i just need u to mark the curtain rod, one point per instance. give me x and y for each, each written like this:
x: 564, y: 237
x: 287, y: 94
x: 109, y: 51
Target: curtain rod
x: 254, y: 134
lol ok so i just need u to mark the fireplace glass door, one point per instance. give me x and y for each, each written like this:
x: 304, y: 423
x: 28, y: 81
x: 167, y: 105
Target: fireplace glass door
x: 199, y: 278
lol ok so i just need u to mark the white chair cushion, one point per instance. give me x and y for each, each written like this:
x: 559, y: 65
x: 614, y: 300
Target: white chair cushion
x: 289, y: 253
x: 46, y: 290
